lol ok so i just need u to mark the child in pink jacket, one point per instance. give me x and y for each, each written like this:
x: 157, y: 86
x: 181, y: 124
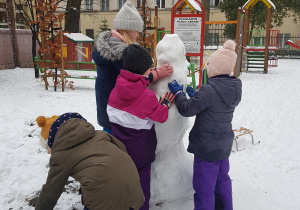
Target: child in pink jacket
x: 133, y: 108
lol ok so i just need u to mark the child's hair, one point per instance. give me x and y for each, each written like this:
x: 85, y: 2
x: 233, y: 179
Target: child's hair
x: 127, y: 39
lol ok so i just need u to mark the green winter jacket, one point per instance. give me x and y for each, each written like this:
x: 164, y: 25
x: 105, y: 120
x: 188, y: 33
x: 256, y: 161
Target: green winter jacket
x: 99, y: 162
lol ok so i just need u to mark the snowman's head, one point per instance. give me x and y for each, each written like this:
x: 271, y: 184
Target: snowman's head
x: 171, y: 50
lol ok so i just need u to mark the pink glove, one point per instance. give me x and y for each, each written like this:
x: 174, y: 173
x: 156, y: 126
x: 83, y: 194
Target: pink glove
x: 162, y: 72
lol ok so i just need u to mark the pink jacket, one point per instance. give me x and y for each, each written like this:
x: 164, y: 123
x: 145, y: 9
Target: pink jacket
x: 132, y: 109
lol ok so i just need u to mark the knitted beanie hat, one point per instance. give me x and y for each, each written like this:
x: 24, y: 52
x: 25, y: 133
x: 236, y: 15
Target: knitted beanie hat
x: 222, y: 61
x: 55, y: 126
x: 128, y: 18
x: 45, y: 123
x: 136, y: 59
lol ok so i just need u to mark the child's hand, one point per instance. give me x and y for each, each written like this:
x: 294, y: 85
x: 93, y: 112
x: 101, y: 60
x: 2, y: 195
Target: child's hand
x: 167, y: 100
x: 49, y: 150
x: 190, y: 91
x: 175, y: 87
x: 162, y: 72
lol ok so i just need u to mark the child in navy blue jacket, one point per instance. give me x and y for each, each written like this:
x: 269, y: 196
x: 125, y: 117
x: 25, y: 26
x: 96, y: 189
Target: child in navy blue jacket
x: 211, y: 137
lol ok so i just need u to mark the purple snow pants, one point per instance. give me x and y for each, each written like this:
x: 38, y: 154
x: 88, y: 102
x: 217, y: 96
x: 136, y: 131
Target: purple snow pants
x: 212, y: 185
x: 145, y: 176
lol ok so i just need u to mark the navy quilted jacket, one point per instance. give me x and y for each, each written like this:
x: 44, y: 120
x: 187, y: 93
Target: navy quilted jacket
x: 213, y: 104
x: 108, y: 57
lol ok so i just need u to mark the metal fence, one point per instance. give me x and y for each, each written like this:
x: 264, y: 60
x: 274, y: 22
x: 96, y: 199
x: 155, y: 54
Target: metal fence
x: 216, y: 35
x: 287, y: 51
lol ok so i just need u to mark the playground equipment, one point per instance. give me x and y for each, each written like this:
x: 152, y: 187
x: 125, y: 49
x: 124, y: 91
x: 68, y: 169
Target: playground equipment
x: 73, y: 48
x: 242, y: 38
x: 77, y: 47
x: 191, y: 74
x: 255, y: 49
x: 292, y: 44
x: 71, y: 66
x: 189, y: 25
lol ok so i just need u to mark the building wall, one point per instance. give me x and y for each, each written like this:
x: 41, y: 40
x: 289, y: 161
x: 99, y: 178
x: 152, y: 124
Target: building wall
x: 92, y: 20
x: 289, y: 27
x: 20, y: 23
x: 24, y: 43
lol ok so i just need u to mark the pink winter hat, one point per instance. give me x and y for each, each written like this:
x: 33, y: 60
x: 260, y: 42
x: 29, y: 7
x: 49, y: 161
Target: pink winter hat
x: 222, y: 61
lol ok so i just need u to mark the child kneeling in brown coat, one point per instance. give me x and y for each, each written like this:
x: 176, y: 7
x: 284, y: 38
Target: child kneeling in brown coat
x: 99, y: 162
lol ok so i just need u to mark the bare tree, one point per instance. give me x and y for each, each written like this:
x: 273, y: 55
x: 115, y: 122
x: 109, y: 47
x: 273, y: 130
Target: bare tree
x: 29, y: 16
x: 13, y: 35
x: 29, y: 12
x: 206, y: 5
x: 73, y: 16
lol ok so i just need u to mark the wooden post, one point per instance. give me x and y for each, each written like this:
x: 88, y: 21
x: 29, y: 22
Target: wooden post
x: 269, y: 16
x: 241, y: 49
x: 246, y: 27
x: 62, y: 57
x: 237, y: 39
x: 44, y: 62
x: 155, y: 35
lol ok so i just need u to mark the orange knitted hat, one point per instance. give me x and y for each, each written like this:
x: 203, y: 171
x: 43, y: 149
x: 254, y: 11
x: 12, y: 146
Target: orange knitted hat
x: 45, y: 124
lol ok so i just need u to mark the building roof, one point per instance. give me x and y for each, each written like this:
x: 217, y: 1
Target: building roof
x: 192, y: 3
x: 78, y: 37
x: 269, y: 3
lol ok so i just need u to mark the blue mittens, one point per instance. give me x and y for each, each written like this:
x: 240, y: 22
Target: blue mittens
x: 190, y: 91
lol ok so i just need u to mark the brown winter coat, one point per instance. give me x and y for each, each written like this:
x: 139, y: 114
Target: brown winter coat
x: 99, y: 162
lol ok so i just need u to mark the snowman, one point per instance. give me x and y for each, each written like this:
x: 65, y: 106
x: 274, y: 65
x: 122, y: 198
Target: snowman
x: 172, y: 171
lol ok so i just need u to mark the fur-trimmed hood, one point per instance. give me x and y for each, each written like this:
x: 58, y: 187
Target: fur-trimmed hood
x: 110, y: 47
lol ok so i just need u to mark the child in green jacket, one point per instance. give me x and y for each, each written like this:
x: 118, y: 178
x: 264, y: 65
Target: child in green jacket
x: 98, y: 161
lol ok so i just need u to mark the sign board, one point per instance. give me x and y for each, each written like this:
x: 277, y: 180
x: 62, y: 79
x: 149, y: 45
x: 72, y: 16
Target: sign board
x: 189, y: 31
x: 188, y: 22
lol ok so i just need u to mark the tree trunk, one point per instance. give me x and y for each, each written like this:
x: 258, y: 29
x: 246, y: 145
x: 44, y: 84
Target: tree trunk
x: 206, y: 5
x: 34, y: 37
x: 13, y: 35
x: 72, y: 23
x: 144, y: 4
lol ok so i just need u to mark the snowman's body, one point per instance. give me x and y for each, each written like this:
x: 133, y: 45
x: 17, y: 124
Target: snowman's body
x: 171, y: 175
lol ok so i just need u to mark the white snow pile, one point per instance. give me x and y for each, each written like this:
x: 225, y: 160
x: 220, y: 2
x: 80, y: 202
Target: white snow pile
x: 264, y: 176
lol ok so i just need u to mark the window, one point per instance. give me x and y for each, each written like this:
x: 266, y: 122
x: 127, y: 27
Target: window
x: 121, y: 2
x: 90, y: 33
x: 89, y: 5
x: 3, y: 16
x: 214, y: 3
x: 160, y: 4
x: 104, y: 5
x: 20, y: 23
x: 139, y: 3
x: 19, y: 18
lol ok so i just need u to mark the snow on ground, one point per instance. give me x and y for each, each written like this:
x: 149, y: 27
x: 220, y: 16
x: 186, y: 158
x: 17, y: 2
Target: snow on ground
x: 264, y: 176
